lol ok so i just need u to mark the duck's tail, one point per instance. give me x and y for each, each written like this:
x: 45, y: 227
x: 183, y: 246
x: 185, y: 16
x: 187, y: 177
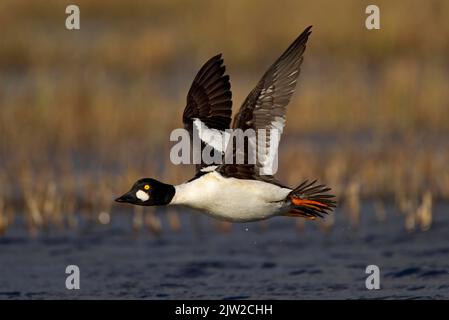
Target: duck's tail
x: 309, y: 200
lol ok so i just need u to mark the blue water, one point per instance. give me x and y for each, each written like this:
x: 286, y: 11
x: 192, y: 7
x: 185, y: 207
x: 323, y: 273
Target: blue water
x: 252, y: 261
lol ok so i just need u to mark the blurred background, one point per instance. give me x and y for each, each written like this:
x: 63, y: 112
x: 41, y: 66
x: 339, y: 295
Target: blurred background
x: 85, y: 113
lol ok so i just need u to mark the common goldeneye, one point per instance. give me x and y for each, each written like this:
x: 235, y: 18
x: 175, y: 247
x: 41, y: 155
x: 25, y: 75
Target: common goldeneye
x: 231, y: 191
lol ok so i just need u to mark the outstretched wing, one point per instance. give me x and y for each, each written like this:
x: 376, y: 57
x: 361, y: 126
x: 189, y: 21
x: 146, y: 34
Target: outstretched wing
x: 265, y: 108
x: 209, y: 101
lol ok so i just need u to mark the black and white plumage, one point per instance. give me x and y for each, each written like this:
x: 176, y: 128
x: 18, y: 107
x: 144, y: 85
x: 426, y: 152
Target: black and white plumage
x: 265, y: 106
x: 232, y: 191
x: 209, y: 100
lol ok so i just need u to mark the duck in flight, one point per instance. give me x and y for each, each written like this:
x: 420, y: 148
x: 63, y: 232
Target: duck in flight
x: 230, y: 191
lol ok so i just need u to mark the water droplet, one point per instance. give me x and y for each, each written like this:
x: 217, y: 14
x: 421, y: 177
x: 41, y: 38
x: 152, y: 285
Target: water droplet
x: 104, y: 217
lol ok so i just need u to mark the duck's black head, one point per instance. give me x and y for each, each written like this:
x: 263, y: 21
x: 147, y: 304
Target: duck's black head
x: 148, y: 192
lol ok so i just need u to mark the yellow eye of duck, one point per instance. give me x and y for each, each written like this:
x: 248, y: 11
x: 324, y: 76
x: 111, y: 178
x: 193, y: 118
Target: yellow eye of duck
x: 147, y: 187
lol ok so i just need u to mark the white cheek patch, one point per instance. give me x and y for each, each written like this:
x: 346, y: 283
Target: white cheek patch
x: 142, y: 195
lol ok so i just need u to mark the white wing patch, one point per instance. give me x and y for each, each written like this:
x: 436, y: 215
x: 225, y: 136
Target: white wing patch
x: 264, y: 144
x: 213, y: 137
x: 208, y: 168
x: 268, y: 155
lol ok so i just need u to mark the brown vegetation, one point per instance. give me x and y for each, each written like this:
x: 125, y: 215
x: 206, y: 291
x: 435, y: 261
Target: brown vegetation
x: 85, y: 113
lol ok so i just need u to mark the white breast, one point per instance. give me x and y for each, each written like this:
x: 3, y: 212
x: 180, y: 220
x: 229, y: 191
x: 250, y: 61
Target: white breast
x: 231, y: 199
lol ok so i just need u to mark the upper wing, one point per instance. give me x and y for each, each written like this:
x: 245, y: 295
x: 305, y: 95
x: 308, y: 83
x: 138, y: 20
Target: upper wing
x: 265, y: 107
x: 209, y: 101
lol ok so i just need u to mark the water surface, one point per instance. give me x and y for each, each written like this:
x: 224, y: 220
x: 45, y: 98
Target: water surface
x: 250, y: 262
